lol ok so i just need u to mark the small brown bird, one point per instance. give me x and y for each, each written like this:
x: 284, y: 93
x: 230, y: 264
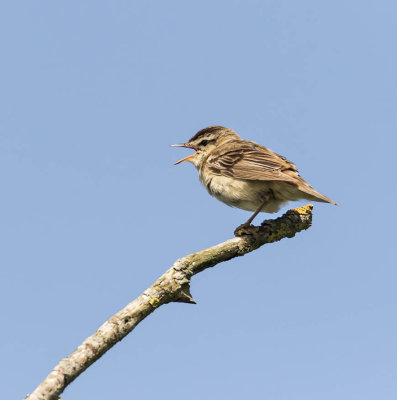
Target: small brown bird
x: 245, y: 174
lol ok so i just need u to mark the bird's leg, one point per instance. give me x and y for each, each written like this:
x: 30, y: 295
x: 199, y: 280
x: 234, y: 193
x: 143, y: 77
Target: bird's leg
x: 248, y: 223
x: 255, y: 214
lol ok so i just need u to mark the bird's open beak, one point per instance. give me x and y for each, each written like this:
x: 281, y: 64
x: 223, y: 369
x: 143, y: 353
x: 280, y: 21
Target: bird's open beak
x: 186, y: 158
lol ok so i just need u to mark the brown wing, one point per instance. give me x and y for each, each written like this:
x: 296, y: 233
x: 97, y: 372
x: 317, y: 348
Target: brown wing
x: 251, y: 161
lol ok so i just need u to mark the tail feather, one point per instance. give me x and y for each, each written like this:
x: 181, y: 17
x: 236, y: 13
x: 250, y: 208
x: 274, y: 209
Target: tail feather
x: 311, y: 194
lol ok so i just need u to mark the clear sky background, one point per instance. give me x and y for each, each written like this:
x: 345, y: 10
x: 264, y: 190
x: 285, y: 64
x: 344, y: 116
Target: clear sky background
x: 92, y: 93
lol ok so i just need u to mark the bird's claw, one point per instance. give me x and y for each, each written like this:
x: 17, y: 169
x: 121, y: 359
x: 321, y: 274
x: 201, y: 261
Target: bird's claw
x: 245, y: 229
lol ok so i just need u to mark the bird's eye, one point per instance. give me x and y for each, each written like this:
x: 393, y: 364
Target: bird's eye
x: 203, y: 143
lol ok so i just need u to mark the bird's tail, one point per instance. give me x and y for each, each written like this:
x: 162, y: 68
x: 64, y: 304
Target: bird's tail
x: 310, y: 193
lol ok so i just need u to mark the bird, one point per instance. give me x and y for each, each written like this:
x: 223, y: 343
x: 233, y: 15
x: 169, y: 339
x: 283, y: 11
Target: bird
x: 245, y: 174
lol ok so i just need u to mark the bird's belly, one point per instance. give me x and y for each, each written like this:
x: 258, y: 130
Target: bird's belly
x: 247, y: 195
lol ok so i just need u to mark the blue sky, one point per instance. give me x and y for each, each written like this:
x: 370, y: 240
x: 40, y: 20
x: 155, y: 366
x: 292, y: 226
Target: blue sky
x: 93, y: 211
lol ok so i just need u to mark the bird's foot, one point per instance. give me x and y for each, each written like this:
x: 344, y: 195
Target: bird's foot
x: 245, y: 229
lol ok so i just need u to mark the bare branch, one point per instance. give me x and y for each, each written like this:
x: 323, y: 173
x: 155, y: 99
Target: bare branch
x: 173, y: 286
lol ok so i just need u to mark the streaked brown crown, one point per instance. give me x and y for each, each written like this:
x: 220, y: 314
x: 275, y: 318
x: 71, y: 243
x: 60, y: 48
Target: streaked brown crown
x: 210, y: 131
x: 211, y: 134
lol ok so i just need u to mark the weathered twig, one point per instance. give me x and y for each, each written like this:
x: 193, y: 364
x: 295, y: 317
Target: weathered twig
x: 173, y: 286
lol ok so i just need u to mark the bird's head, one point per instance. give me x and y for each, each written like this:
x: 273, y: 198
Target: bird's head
x: 204, y: 142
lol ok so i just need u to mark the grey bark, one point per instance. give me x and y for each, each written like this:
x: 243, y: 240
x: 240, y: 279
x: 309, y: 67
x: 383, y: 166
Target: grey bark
x: 172, y: 286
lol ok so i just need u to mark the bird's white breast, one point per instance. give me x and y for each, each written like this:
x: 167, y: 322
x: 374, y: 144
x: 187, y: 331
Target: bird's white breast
x: 247, y: 195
